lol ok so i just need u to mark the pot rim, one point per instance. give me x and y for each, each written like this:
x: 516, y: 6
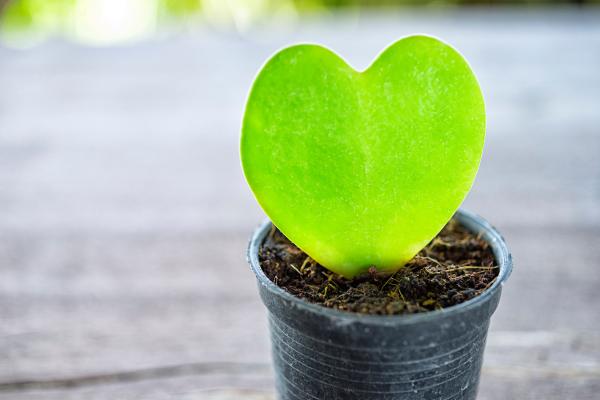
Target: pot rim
x: 470, y: 220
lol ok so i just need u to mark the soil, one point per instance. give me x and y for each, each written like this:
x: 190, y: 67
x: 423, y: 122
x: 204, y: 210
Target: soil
x: 454, y: 267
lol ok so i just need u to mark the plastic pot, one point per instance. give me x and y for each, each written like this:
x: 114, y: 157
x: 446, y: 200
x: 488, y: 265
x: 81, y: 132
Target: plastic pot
x: 325, y: 354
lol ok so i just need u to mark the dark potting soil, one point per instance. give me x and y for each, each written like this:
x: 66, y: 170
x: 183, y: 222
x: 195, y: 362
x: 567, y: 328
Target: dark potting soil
x: 454, y: 267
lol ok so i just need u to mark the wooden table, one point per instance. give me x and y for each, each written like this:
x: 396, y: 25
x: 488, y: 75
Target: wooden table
x: 124, y: 214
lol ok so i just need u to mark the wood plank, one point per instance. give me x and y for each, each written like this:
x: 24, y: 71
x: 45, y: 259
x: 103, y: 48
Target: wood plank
x: 112, y: 303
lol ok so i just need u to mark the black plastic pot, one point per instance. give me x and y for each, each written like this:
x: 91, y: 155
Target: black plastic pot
x: 326, y: 354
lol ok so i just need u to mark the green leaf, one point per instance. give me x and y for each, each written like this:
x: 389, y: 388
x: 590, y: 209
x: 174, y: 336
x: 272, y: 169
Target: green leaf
x: 363, y: 169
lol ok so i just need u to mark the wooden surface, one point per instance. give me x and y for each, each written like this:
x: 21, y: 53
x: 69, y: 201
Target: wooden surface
x: 124, y: 215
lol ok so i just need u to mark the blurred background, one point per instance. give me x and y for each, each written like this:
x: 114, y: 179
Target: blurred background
x: 124, y: 215
x: 106, y: 22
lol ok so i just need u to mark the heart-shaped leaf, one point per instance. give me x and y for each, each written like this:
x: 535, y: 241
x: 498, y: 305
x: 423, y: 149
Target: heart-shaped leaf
x: 363, y: 169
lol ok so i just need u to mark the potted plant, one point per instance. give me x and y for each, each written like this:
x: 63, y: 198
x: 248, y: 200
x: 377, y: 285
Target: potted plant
x: 359, y: 172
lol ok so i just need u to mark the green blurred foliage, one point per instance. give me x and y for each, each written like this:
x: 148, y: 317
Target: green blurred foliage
x: 28, y: 13
x: 181, y: 7
x: 320, y: 4
x: 89, y: 20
